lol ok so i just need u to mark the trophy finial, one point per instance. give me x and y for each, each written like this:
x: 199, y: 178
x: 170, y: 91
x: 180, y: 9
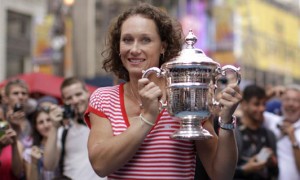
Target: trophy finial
x: 190, y: 39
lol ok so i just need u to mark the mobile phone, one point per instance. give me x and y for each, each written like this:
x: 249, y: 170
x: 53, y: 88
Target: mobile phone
x: 18, y: 107
x: 3, y: 127
x: 263, y: 155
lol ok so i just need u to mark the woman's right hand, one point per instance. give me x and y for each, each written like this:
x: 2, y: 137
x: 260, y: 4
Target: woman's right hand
x: 36, y: 154
x: 150, y: 94
x: 56, y: 115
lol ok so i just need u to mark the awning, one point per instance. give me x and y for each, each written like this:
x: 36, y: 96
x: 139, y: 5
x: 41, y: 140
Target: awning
x: 44, y: 84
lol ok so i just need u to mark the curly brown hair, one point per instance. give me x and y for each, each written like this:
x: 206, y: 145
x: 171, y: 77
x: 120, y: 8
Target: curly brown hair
x: 169, y: 30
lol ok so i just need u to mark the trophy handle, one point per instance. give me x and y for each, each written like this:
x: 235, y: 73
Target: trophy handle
x: 222, y: 71
x: 225, y: 68
x: 147, y: 72
x: 159, y: 73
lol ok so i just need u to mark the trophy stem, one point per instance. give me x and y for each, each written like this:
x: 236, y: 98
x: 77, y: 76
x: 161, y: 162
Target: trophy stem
x: 191, y: 129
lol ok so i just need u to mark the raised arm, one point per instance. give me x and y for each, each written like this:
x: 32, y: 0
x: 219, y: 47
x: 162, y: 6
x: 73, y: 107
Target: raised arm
x: 52, y: 151
x: 32, y: 165
x: 219, y: 154
x: 17, y: 161
x: 290, y: 131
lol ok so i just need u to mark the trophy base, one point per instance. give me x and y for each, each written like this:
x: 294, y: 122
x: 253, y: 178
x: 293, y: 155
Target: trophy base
x: 194, y: 135
x: 191, y: 130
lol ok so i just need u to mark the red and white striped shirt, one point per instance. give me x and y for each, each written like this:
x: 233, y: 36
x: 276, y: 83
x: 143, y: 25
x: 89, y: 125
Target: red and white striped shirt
x: 159, y: 156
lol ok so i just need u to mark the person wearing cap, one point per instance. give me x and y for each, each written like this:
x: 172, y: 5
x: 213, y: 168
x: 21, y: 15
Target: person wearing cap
x: 46, y: 101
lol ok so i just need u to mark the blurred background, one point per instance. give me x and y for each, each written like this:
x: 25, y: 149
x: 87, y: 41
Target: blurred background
x: 66, y: 37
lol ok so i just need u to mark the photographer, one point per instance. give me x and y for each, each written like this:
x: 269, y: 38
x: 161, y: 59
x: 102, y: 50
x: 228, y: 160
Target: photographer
x: 72, y: 137
x: 16, y: 95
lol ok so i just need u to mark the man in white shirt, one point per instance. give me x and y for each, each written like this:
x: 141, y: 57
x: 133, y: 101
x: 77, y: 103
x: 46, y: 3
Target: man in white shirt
x: 287, y: 130
x: 75, y: 162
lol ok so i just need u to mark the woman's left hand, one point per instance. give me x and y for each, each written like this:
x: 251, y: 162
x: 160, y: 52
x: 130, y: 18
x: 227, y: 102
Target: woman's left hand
x: 229, y: 100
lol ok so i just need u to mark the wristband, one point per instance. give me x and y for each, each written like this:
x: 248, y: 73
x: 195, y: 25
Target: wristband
x: 145, y: 120
x: 227, y: 126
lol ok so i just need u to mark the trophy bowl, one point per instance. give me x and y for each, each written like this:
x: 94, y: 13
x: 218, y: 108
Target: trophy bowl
x: 190, y: 84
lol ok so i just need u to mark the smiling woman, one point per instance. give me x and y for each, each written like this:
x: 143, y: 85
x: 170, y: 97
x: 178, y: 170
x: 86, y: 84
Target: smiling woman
x: 130, y: 141
x: 141, y: 47
x: 41, y: 124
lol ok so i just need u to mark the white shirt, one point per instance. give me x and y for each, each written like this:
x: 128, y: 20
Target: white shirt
x: 286, y: 160
x: 76, y: 163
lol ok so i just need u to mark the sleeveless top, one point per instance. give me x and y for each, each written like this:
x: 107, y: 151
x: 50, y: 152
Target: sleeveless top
x: 159, y: 156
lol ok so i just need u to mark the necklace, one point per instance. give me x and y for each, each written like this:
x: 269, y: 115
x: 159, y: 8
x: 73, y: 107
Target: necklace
x: 136, y: 98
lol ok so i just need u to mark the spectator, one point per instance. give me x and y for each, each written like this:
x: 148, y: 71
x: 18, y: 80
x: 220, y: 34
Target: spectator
x: 287, y: 130
x: 274, y: 94
x: 41, y: 124
x: 129, y: 137
x: 71, y: 155
x: 16, y: 98
x: 256, y: 144
x: 274, y: 106
x: 47, y: 101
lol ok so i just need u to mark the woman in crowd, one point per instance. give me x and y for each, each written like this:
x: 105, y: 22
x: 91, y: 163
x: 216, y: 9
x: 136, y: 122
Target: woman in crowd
x: 41, y: 125
x: 129, y: 135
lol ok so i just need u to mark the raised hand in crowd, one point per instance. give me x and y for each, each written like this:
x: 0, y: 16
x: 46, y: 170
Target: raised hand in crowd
x: 16, y: 119
x: 56, y: 116
x: 11, y: 153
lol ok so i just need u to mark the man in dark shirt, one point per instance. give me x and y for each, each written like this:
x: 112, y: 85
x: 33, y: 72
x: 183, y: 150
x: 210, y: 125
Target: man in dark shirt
x: 256, y: 144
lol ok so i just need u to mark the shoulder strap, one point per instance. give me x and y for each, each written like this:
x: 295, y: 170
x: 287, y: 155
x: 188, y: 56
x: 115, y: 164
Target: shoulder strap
x: 62, y: 155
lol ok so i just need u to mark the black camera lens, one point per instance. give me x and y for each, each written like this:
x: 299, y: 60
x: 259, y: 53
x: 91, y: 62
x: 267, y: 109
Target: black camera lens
x: 68, y: 112
x: 18, y: 107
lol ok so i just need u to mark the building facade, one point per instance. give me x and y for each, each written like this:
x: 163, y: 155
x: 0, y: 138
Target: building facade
x: 18, y: 19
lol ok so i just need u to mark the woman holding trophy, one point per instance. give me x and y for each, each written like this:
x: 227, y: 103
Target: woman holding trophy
x: 130, y: 134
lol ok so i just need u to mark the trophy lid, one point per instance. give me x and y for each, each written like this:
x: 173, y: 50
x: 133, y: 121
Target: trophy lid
x: 191, y: 55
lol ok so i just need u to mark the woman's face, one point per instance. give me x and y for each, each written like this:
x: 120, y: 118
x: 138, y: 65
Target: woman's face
x: 43, y: 124
x: 140, y: 44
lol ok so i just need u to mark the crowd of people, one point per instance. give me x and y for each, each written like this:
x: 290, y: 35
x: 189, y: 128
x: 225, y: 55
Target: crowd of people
x: 119, y: 132
x: 47, y: 139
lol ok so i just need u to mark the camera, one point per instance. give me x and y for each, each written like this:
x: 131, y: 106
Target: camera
x: 3, y: 127
x: 68, y: 112
x: 18, y: 107
x: 279, y: 126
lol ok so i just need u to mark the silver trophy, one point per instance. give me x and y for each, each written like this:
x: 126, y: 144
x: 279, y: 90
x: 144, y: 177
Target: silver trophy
x: 188, y: 79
